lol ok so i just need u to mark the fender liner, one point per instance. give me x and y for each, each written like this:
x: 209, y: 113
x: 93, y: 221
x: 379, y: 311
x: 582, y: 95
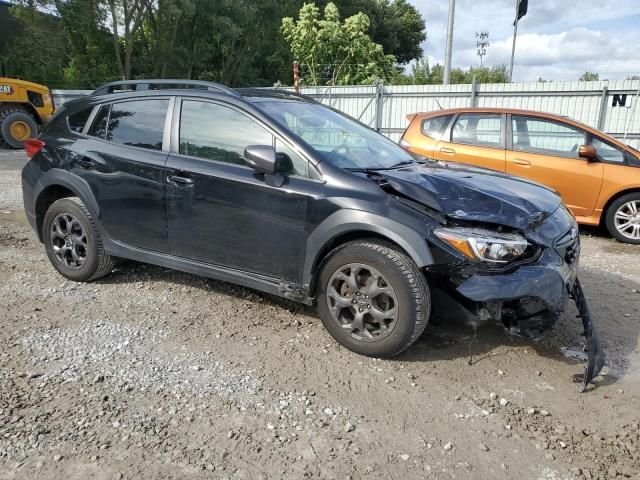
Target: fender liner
x: 347, y: 221
x: 61, y: 178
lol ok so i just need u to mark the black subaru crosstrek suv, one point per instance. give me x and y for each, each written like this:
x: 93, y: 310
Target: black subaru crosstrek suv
x: 274, y: 191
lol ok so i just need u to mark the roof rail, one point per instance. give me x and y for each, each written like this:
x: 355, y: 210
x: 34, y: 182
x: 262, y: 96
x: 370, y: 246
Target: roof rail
x: 154, y: 84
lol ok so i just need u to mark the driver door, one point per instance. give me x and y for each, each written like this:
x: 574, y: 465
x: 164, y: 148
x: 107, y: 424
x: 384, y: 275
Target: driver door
x: 222, y: 212
x: 546, y: 151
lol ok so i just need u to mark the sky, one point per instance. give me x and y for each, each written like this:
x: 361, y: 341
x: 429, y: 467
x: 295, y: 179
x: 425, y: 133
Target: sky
x: 557, y: 40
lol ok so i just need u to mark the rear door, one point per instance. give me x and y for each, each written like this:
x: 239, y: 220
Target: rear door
x: 546, y: 151
x: 222, y: 212
x: 475, y: 138
x: 120, y: 156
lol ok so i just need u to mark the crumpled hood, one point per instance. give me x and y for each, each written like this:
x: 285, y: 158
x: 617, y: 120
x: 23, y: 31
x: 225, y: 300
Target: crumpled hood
x: 468, y: 193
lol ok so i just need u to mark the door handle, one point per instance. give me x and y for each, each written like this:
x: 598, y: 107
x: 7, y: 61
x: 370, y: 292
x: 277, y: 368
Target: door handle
x: 447, y: 150
x: 178, y: 181
x: 522, y: 161
x: 86, y: 164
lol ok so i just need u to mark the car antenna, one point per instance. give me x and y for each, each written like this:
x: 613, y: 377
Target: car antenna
x: 439, y: 106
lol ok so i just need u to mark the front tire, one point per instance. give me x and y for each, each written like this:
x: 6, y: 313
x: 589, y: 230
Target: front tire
x: 623, y: 218
x: 372, y: 298
x: 73, y: 243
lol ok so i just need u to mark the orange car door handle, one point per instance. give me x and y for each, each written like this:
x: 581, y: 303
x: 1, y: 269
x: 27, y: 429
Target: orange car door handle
x: 521, y: 161
x: 449, y: 151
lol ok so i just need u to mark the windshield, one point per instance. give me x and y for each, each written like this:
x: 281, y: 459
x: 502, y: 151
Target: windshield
x: 337, y: 139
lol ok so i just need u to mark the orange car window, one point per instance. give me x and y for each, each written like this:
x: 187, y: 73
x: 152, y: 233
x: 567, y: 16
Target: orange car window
x: 477, y: 129
x: 546, y: 137
x: 434, y: 127
x: 607, y: 152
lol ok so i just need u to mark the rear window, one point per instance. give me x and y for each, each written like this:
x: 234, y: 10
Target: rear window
x: 435, y: 126
x: 78, y: 119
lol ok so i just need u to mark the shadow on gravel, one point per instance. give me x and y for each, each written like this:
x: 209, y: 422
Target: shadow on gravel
x: 614, y: 307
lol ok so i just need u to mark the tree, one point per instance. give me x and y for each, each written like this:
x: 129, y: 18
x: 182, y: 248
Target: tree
x: 331, y: 52
x: 395, y: 24
x: 589, y: 77
x: 423, y: 74
x: 126, y: 16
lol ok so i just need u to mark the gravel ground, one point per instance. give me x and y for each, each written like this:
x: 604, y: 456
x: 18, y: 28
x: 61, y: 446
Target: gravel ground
x: 168, y: 375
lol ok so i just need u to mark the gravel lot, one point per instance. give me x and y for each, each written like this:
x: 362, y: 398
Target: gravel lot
x: 161, y: 374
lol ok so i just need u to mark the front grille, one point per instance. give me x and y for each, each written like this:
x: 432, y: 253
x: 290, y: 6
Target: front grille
x: 568, y: 245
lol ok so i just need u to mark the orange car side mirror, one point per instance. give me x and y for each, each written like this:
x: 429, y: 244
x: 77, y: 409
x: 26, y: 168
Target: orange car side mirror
x: 589, y: 152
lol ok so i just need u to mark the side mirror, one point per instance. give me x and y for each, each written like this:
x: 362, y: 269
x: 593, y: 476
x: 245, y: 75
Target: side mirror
x: 589, y: 152
x: 262, y: 158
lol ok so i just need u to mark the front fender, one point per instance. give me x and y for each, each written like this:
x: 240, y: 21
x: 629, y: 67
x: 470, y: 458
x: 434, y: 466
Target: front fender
x: 348, y: 221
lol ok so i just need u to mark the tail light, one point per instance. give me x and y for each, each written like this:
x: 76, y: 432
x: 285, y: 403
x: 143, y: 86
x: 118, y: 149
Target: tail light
x: 33, y: 146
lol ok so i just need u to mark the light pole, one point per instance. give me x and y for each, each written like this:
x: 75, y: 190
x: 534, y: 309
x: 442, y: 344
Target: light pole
x: 447, y: 53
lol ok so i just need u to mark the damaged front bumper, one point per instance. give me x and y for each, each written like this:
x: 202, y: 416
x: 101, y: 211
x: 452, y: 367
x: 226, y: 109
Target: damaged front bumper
x: 529, y: 300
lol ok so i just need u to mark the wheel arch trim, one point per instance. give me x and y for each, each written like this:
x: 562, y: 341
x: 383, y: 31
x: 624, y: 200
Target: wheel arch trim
x: 61, y: 178
x: 615, y: 196
x: 354, y: 222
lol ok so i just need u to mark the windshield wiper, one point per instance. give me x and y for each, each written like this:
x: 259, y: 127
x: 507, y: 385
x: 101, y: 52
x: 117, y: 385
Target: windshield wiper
x: 378, y: 169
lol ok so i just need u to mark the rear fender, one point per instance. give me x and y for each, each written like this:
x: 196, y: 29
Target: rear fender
x: 61, y: 178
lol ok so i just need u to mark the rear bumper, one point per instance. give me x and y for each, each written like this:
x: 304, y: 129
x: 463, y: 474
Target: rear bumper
x: 29, y: 181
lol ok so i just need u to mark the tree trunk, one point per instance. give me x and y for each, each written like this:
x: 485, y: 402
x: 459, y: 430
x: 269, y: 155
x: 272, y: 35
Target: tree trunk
x: 116, y: 38
x: 127, y: 58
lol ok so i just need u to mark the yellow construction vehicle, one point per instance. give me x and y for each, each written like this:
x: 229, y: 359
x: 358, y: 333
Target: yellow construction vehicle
x: 24, y: 108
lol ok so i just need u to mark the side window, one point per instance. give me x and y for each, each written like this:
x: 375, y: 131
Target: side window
x: 78, y: 119
x: 607, y: 152
x: 289, y: 162
x: 99, y: 126
x: 138, y: 123
x: 546, y: 137
x: 481, y: 129
x: 35, y: 99
x: 434, y: 127
x: 216, y: 132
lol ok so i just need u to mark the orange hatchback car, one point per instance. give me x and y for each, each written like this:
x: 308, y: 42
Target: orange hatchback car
x: 597, y: 176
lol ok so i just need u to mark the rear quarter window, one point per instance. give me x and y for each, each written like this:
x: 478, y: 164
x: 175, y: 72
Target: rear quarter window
x: 434, y: 126
x: 77, y: 120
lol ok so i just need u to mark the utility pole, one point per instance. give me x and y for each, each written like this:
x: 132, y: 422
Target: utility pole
x: 447, y: 53
x: 482, y: 42
x: 515, y: 33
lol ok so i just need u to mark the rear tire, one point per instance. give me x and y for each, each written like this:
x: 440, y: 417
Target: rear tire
x: 372, y: 298
x: 16, y: 126
x: 623, y: 218
x: 73, y: 243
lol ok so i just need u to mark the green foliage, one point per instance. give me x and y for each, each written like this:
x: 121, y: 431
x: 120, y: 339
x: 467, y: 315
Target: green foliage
x: 423, y: 74
x: 39, y: 51
x: 395, y: 24
x: 83, y: 43
x: 589, y: 77
x: 335, y: 53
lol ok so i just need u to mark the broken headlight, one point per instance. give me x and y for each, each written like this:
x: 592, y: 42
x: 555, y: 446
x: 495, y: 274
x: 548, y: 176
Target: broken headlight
x: 485, y: 245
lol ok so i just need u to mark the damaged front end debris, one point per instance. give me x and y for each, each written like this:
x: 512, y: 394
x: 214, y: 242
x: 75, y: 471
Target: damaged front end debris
x: 595, y: 355
x: 505, y: 256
